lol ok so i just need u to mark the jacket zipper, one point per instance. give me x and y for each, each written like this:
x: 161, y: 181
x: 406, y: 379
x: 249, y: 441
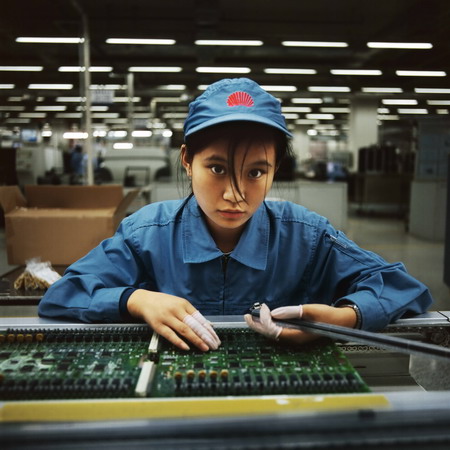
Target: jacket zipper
x: 225, y: 259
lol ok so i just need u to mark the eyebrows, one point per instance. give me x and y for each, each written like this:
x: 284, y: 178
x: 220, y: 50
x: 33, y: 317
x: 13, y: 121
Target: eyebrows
x: 221, y: 159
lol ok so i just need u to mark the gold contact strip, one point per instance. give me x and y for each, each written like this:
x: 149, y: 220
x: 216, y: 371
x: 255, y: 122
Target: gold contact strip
x: 90, y: 410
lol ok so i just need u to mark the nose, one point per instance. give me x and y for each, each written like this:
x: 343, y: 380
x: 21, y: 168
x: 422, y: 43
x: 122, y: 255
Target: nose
x: 231, y: 192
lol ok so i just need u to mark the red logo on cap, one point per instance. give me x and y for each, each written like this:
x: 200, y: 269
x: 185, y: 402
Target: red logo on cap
x: 240, y: 98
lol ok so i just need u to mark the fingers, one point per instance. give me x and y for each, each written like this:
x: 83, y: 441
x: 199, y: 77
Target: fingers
x: 288, y: 312
x: 203, y: 329
x: 265, y: 324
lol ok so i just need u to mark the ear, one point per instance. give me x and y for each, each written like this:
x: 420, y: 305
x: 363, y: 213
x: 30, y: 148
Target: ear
x: 184, y: 160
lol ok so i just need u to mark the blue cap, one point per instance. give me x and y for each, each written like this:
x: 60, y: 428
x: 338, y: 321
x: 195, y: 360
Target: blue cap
x: 231, y: 100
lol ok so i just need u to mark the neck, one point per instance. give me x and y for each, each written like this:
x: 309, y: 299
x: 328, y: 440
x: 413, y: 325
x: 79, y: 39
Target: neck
x: 226, y: 240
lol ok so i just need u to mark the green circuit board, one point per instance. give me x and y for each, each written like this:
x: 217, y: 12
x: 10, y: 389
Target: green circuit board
x: 248, y: 364
x: 71, y: 363
x: 107, y: 362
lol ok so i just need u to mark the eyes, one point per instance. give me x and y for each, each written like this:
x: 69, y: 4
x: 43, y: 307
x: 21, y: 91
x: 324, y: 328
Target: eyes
x: 218, y: 169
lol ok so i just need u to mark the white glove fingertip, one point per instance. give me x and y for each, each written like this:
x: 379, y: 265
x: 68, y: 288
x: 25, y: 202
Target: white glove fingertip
x: 288, y: 312
x: 207, y: 324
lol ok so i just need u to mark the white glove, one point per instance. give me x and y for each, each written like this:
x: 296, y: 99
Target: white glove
x: 266, y: 326
x: 203, y: 329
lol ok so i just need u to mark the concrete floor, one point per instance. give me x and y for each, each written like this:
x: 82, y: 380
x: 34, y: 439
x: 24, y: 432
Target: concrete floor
x: 385, y: 236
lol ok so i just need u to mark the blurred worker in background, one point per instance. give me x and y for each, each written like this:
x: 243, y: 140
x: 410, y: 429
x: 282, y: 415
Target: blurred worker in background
x: 225, y: 247
x: 77, y: 164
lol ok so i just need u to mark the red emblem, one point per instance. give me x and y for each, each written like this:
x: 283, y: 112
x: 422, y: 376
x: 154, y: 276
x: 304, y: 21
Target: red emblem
x: 240, y: 99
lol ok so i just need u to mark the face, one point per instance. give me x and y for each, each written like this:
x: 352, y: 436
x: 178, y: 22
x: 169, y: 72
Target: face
x: 225, y: 210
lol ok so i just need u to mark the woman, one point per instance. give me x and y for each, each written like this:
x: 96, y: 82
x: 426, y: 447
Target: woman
x: 224, y: 247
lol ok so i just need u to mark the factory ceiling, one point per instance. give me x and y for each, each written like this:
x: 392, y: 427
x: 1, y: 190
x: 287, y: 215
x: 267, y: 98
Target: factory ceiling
x: 185, y: 66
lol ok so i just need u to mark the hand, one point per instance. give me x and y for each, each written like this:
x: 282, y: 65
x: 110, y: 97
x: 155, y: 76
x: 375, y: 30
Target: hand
x: 172, y: 317
x: 266, y: 326
x: 312, y: 312
x: 315, y: 312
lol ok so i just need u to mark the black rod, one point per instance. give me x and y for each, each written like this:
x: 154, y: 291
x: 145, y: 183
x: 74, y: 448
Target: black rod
x: 366, y: 337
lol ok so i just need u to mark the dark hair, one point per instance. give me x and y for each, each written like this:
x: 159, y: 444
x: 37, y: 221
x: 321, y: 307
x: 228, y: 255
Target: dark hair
x: 239, y: 133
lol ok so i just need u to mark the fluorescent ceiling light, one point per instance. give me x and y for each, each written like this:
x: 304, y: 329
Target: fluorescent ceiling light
x: 312, y: 132
x: 313, y: 44
x: 205, y: 69
x: 439, y: 102
x: 172, y: 87
x: 50, y: 108
x: 166, y: 99
x: 174, y: 116
x: 123, y: 145
x: 69, y: 115
x: 82, y: 69
x: 105, y: 115
x: 388, y: 117
x: 117, y: 120
x: 141, y: 41
x: 71, y: 99
x: 297, y: 109
x: 50, y: 86
x: 167, y: 133
x: 320, y: 116
x: 12, y: 108
x: 290, y: 71
x: 113, y: 87
x: 279, y: 88
x: 96, y: 108
x: 291, y: 116
x: 15, y: 99
x: 126, y: 99
x: 442, y: 111
x: 50, y: 40
x: 400, y: 101
x: 328, y: 89
x: 21, y: 68
x: 412, y: 111
x: 99, y: 133
x: 383, y: 110
x: 7, y: 86
x: 420, y: 73
x: 432, y: 90
x: 306, y: 121
x: 307, y: 100
x: 237, y: 42
x: 17, y: 120
x: 335, y: 110
x: 410, y: 45
x: 382, y: 90
x: 330, y: 132
x: 32, y: 115
x: 75, y: 135
x: 141, y: 133
x: 46, y: 133
x: 158, y: 69
x: 355, y: 72
x: 117, y: 134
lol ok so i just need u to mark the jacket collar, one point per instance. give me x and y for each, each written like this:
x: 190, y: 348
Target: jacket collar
x: 198, y: 245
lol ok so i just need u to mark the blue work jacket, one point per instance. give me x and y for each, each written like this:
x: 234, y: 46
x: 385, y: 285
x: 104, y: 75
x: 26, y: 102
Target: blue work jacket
x: 287, y: 255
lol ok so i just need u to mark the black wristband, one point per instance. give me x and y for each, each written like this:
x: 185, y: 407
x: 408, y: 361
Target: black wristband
x: 357, y: 312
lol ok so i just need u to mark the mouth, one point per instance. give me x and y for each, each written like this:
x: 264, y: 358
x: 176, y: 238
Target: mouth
x: 231, y: 213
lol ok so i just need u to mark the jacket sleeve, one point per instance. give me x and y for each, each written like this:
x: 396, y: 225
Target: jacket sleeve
x: 341, y: 271
x: 91, y: 288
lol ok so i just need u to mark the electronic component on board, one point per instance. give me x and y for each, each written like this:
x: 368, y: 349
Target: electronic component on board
x: 123, y: 362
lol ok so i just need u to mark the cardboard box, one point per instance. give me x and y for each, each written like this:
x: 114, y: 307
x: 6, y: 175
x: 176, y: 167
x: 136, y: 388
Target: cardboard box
x: 60, y: 224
